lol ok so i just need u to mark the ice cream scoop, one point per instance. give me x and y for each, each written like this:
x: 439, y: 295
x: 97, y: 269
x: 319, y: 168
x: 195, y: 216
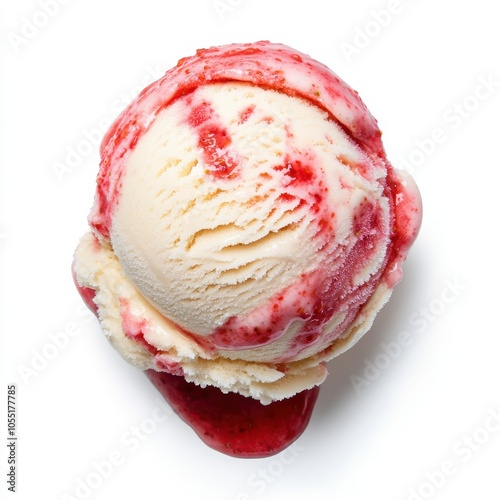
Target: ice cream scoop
x: 247, y: 226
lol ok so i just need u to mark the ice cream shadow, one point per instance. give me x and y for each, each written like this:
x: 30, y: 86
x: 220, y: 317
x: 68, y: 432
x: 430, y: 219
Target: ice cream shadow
x: 357, y: 371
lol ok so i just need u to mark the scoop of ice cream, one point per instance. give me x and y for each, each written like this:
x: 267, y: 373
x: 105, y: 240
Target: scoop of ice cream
x: 247, y: 225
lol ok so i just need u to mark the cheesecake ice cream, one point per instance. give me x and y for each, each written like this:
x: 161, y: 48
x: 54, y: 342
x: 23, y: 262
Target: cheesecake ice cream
x: 247, y: 225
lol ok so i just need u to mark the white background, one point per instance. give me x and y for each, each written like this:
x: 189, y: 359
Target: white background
x: 384, y: 426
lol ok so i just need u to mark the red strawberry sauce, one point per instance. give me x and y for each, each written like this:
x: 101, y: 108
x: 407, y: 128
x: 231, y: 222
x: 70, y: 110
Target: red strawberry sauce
x: 233, y: 424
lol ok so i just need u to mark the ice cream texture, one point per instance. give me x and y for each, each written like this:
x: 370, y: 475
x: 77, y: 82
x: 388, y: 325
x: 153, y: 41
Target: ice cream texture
x: 247, y: 225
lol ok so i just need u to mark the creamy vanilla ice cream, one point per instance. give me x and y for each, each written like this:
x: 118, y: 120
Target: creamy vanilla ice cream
x: 247, y: 225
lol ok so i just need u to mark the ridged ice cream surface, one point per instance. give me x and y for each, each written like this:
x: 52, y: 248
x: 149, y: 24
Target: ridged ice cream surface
x: 204, y: 246
x: 247, y: 226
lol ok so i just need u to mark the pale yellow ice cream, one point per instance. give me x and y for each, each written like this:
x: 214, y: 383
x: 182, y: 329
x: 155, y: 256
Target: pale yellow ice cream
x: 250, y: 235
